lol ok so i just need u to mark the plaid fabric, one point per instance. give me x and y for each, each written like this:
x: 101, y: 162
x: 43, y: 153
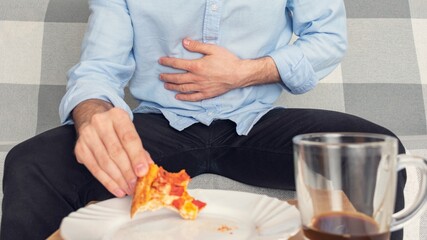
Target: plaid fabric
x: 383, y: 77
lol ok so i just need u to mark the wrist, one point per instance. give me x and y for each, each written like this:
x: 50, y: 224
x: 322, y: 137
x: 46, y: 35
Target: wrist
x: 258, y: 71
x: 83, y: 112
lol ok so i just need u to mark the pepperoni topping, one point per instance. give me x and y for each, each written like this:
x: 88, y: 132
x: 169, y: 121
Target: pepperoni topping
x: 177, y: 190
x: 177, y: 203
x: 199, y: 204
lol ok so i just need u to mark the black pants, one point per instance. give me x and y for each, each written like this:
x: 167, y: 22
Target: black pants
x: 43, y: 182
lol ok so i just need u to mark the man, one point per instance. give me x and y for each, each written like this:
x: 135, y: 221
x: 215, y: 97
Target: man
x: 206, y: 75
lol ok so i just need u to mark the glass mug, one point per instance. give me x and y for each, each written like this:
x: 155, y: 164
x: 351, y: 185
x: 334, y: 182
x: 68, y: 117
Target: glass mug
x: 346, y: 185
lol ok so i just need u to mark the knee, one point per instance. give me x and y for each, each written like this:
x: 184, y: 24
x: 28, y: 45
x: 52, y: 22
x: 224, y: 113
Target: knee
x: 331, y: 121
x: 363, y: 125
x: 17, y: 161
x: 371, y: 127
x: 352, y: 123
x: 345, y: 122
x: 15, y: 155
x: 35, y: 152
x: 15, y: 172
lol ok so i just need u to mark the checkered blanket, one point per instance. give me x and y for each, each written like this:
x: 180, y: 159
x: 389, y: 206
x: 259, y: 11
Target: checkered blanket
x: 383, y: 77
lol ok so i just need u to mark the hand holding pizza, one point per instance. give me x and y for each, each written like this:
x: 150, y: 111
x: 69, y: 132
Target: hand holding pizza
x: 109, y: 146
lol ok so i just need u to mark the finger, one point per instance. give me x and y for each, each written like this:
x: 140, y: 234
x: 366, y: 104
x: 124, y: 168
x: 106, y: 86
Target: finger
x: 104, y: 161
x: 117, y: 153
x: 177, y: 78
x: 85, y: 156
x: 177, y: 63
x: 80, y: 152
x: 131, y: 142
x: 183, y: 88
x: 191, y: 97
x: 196, y: 46
x: 148, y: 156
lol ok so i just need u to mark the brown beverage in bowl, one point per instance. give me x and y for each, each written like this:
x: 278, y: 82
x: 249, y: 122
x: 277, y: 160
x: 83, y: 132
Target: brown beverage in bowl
x: 344, y: 226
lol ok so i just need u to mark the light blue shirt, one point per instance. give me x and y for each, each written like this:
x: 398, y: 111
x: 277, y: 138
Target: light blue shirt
x: 125, y: 39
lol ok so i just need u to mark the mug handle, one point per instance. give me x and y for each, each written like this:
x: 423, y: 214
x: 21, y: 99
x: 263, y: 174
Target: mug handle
x: 401, y: 217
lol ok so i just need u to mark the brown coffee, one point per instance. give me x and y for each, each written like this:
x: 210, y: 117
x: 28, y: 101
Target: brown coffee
x: 344, y: 226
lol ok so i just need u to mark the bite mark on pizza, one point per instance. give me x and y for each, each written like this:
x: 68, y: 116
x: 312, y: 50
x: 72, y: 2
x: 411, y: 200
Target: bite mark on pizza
x: 160, y: 188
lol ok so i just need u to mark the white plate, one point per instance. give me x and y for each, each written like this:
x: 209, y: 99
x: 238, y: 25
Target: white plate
x: 228, y: 215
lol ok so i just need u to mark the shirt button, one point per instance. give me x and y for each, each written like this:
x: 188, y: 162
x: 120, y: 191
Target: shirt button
x: 214, y: 7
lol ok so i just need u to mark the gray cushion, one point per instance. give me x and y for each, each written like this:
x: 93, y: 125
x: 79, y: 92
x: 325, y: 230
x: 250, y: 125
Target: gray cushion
x: 212, y: 181
x: 382, y: 78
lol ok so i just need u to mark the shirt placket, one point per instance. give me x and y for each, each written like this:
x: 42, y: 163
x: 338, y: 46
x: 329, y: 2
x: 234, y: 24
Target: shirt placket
x: 212, y: 21
x: 211, y: 30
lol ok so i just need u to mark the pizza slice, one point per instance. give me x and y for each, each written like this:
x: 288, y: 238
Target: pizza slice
x: 159, y: 188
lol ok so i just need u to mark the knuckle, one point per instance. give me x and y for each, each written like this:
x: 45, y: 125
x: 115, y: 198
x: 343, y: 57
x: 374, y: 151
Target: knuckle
x: 170, y: 60
x: 119, y: 180
x: 108, y: 183
x: 96, y: 119
x: 193, y: 67
x: 117, y: 111
x: 79, y: 158
x: 172, y: 63
x: 84, y: 131
x: 198, y: 97
x: 78, y: 147
x: 169, y: 86
x: 115, y: 151
x: 194, y: 45
x: 174, y: 78
x: 137, y: 156
x: 120, y: 114
x: 103, y: 162
x: 164, y: 77
x: 185, y: 88
x: 182, y: 97
x: 93, y: 168
x: 96, y: 171
x: 204, y: 95
x: 129, y: 137
x: 79, y: 152
x: 194, y: 98
x: 129, y: 174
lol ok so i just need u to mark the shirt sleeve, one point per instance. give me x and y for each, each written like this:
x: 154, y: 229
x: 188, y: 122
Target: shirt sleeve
x: 107, y: 62
x: 322, y: 42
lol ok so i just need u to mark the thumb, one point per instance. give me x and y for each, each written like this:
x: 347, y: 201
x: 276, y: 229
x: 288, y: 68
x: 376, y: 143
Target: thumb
x: 196, y: 46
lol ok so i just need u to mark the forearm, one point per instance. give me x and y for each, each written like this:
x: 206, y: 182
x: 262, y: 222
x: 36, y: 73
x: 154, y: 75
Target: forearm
x: 258, y: 71
x: 321, y: 44
x: 106, y: 63
x: 84, y: 111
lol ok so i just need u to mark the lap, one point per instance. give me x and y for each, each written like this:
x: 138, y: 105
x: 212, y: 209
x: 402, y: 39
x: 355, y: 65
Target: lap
x: 264, y: 157
x: 200, y: 149
x: 45, y: 167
